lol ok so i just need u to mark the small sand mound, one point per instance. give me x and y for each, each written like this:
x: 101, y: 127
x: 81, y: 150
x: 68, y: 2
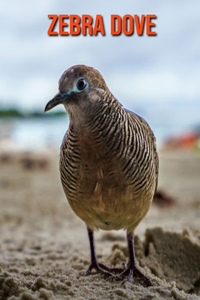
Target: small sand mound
x: 174, y: 257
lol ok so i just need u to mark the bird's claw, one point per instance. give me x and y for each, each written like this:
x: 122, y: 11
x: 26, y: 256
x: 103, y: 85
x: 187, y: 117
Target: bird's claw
x: 99, y: 268
x: 128, y: 274
x: 146, y: 279
x: 102, y: 269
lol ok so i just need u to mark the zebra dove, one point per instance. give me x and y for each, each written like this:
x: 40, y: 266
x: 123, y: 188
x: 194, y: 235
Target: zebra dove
x: 108, y: 161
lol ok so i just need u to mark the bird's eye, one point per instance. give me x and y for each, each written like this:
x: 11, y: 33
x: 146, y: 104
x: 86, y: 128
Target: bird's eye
x: 81, y: 84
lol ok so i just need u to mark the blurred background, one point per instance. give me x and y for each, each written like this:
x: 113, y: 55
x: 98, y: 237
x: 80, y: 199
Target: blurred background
x: 156, y: 77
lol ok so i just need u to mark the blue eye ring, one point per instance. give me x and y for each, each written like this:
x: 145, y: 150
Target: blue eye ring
x: 81, y: 84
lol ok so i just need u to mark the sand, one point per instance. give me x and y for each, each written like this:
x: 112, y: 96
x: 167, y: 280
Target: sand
x: 44, y: 249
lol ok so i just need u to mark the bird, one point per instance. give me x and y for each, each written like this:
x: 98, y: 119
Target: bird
x: 108, y: 162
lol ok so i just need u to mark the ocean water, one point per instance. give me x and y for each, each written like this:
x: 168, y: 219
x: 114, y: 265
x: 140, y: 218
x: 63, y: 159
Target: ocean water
x: 36, y: 133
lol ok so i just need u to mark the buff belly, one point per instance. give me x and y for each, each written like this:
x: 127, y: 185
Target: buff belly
x: 112, y: 209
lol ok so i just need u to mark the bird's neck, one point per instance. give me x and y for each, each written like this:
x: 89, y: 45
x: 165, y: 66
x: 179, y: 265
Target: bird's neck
x: 100, y: 125
x: 89, y: 118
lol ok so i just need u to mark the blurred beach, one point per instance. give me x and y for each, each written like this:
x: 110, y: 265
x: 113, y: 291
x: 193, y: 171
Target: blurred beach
x: 31, y: 133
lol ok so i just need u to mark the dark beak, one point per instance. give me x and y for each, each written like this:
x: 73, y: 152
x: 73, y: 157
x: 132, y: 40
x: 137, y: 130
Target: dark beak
x: 57, y: 99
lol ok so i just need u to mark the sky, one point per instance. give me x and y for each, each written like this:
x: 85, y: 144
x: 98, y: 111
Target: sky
x: 161, y: 70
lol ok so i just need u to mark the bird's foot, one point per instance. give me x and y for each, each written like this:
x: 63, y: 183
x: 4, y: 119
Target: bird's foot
x: 129, y: 273
x: 100, y: 268
x: 110, y: 270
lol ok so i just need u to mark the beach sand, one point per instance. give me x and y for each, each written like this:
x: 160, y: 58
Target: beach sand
x: 44, y: 248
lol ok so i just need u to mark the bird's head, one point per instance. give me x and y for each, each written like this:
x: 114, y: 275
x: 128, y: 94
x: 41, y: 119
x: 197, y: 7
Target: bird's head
x: 79, y: 87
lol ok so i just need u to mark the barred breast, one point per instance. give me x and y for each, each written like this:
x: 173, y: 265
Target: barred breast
x: 109, y: 167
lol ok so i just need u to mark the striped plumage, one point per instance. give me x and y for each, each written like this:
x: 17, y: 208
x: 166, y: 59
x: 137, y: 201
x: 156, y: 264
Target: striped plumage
x: 108, y: 159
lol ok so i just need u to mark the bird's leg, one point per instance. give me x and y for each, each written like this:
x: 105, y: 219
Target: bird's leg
x: 131, y: 269
x: 94, y: 262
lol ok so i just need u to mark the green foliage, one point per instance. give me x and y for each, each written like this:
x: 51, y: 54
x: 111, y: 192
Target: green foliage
x: 10, y: 112
x: 17, y: 113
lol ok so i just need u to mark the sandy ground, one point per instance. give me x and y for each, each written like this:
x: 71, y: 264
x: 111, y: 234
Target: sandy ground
x: 44, y: 248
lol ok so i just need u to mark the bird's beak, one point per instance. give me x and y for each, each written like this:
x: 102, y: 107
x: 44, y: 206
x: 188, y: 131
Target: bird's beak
x: 59, y: 98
